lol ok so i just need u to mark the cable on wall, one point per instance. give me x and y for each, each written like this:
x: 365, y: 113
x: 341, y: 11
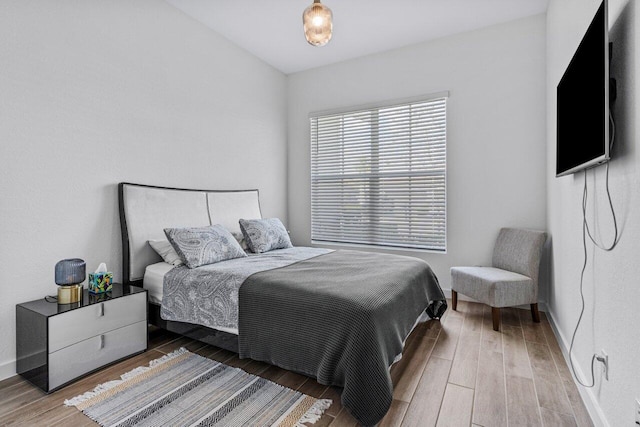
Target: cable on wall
x: 587, y: 232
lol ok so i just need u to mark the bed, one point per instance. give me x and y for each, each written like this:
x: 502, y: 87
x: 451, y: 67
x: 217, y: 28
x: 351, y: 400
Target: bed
x: 341, y: 317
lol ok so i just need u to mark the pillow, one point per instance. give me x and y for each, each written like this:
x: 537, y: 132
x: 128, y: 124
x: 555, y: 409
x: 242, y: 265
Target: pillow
x: 241, y: 240
x: 166, y: 251
x: 263, y: 235
x: 204, y: 245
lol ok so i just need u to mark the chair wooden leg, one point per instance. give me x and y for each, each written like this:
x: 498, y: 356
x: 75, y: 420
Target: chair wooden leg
x: 535, y: 314
x: 495, y: 314
x: 454, y: 300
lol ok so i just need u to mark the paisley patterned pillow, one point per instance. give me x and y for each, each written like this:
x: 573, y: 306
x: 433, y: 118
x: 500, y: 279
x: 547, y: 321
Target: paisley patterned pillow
x: 263, y: 235
x: 204, y: 245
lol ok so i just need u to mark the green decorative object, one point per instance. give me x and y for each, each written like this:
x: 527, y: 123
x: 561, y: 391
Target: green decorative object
x: 100, y: 282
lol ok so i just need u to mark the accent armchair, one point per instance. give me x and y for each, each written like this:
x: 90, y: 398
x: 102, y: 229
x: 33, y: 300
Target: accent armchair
x: 511, y: 281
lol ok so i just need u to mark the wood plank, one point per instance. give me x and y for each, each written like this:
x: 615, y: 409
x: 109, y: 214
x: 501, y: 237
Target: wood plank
x: 577, y: 404
x: 395, y: 415
x: 490, y: 402
x: 158, y: 337
x: 458, y: 314
x: 11, y: 381
x: 516, y: 358
x: 557, y: 355
x: 465, y: 363
x: 532, y: 331
x: 425, y: 405
x: 345, y: 419
x: 549, y: 388
x: 510, y: 316
x: 222, y: 355
x: 522, y: 406
x: 491, y: 340
x: 456, y: 407
x: 18, y: 401
x: 291, y: 380
x: 324, y: 421
x: 13, y: 391
x: 236, y: 362
x: 312, y: 388
x: 272, y: 373
x: 208, y: 351
x: 335, y: 394
x: 177, y: 343
x: 429, y: 329
x: 473, y: 318
x: 406, y: 374
x: 256, y: 368
x: 447, y: 342
x: 583, y: 419
x: 556, y: 419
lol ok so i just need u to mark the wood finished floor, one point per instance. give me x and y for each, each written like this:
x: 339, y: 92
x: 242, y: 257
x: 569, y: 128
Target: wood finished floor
x: 458, y: 372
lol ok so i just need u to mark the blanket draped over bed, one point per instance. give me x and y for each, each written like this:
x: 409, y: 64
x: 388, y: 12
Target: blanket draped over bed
x: 341, y: 318
x: 208, y: 295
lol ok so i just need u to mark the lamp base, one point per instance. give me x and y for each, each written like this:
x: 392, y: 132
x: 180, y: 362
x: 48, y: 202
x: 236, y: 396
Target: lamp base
x: 69, y: 294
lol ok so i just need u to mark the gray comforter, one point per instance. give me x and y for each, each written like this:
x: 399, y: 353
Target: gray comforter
x: 341, y: 318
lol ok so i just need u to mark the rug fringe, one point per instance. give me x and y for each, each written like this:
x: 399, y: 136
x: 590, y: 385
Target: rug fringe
x: 101, y: 388
x: 315, y: 412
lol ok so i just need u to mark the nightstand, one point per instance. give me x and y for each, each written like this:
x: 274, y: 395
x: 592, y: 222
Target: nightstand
x: 57, y: 344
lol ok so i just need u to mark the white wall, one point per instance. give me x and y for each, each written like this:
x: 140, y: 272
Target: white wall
x: 97, y: 92
x: 496, y: 164
x: 612, y: 287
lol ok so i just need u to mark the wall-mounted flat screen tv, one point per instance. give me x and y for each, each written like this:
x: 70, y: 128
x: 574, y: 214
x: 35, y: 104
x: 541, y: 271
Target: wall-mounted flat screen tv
x: 582, y: 134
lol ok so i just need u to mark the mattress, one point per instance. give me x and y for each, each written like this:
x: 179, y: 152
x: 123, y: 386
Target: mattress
x: 154, y: 280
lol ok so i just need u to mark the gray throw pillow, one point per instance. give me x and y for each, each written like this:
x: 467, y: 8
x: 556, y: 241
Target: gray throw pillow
x: 198, y: 246
x: 263, y: 235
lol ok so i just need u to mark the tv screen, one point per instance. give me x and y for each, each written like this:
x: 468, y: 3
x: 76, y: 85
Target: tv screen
x: 582, y: 137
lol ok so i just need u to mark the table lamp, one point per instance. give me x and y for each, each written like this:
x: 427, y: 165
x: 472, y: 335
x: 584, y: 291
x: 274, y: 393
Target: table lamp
x: 70, y: 273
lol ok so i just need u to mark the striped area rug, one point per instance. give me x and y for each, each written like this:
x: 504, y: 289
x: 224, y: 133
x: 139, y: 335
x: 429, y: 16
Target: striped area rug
x: 185, y: 389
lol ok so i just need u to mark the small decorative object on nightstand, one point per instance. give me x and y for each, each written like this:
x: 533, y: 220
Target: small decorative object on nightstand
x: 70, y: 273
x: 56, y: 344
x: 100, y: 280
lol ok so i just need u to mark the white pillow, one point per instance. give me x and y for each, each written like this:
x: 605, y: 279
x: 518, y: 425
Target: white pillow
x: 166, y: 251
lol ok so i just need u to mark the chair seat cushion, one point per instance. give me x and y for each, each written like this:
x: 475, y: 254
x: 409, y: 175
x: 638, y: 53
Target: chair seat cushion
x: 493, y: 286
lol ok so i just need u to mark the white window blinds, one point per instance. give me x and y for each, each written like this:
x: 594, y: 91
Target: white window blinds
x: 378, y: 176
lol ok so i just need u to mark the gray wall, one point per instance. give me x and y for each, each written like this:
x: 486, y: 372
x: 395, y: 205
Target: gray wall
x: 97, y: 92
x: 496, y: 122
x: 611, y: 285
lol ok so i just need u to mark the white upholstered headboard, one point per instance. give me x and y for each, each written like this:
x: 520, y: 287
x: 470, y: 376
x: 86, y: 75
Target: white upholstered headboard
x: 145, y: 211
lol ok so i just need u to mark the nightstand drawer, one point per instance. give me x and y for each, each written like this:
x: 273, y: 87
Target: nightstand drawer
x: 95, y: 352
x: 77, y: 325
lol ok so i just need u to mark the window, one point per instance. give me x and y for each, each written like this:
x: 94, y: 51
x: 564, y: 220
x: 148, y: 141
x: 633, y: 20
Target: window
x: 378, y: 175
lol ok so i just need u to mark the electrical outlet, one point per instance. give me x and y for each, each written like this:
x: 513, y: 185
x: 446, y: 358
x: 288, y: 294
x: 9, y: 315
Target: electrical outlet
x: 638, y: 411
x: 603, y: 358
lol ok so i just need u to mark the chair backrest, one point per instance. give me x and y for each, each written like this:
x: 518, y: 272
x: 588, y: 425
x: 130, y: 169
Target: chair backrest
x: 519, y: 251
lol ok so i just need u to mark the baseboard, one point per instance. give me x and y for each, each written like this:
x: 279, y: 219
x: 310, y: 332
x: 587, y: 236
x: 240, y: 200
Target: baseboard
x: 590, y: 401
x: 7, y: 369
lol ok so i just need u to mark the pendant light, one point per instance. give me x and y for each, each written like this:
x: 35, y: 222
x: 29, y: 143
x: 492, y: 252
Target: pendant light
x: 318, y: 23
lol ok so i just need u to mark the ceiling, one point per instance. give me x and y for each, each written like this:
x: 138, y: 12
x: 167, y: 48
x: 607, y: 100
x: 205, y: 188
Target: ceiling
x: 272, y: 29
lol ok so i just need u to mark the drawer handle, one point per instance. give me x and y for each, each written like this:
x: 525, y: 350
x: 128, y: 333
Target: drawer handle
x: 101, y: 309
x: 101, y: 342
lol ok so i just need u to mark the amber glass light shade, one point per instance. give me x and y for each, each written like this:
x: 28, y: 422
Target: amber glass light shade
x: 318, y: 23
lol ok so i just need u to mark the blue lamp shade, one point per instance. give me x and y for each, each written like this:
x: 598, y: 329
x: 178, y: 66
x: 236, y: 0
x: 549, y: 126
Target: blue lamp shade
x: 70, y: 272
